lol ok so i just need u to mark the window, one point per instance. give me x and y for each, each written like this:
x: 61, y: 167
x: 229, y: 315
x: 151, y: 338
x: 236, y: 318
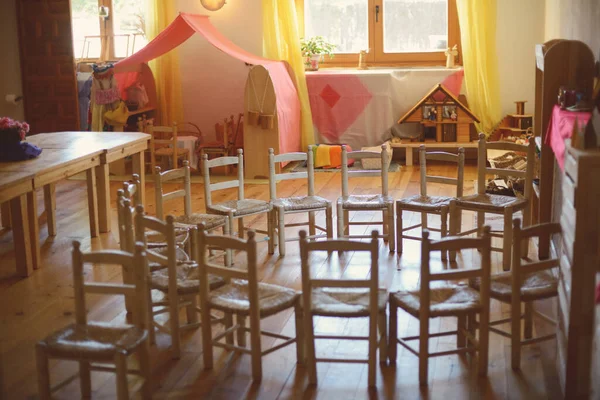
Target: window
x: 118, y: 36
x: 396, y: 32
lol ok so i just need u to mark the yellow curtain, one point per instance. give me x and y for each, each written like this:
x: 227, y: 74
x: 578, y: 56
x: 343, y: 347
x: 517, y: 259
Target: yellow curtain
x: 477, y: 20
x: 165, y: 68
x: 281, y: 41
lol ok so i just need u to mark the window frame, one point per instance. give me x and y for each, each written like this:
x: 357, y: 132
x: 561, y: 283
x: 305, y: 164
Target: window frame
x: 376, y: 56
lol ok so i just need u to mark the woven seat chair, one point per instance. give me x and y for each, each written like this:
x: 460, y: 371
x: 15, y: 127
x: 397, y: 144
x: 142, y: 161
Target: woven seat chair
x: 426, y: 204
x: 179, y: 281
x: 451, y: 300
x: 298, y: 204
x: 525, y: 283
x: 245, y: 297
x: 189, y: 219
x: 344, y: 298
x: 366, y: 202
x: 94, y: 344
x: 234, y: 209
x: 163, y: 144
x: 484, y: 203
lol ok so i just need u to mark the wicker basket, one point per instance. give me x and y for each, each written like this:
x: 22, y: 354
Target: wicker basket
x: 375, y: 163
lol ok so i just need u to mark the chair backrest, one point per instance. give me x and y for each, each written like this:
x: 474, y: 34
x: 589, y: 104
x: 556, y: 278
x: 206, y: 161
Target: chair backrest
x: 125, y: 222
x: 137, y: 291
x: 220, y: 162
x: 483, y: 169
x: 162, y: 136
x: 361, y: 155
x: 309, y: 283
x: 309, y: 174
x: 520, y: 269
x: 442, y: 156
x: 171, y: 175
x: 453, y: 243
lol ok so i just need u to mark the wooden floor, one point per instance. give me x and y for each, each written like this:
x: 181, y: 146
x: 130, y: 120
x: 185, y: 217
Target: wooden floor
x: 32, y: 308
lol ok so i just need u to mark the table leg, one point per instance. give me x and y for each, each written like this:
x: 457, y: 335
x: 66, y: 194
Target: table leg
x: 409, y: 156
x: 139, y: 168
x: 50, y: 206
x: 34, y: 228
x: 103, y: 182
x: 92, y: 201
x: 18, y: 208
x: 5, y: 211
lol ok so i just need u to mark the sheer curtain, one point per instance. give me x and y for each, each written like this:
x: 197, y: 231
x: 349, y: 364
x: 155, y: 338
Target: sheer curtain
x: 478, y: 36
x: 165, y: 68
x: 281, y: 41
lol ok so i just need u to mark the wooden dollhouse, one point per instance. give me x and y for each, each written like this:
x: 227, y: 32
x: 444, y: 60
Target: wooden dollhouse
x: 441, y: 110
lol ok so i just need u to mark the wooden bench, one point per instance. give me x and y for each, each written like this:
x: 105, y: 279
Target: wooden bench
x: 410, y: 146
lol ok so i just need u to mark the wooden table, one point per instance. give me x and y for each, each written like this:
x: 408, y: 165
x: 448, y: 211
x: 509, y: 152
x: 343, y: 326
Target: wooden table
x: 64, y: 154
x: 410, y: 146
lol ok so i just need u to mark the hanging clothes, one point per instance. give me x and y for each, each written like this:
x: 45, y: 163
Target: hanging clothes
x: 105, y: 94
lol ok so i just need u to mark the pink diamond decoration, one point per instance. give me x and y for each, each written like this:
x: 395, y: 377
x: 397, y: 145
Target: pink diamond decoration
x: 330, y: 96
x: 336, y: 101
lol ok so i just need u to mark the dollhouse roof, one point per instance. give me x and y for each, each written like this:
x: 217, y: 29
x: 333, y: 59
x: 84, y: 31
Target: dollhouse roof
x: 439, y: 88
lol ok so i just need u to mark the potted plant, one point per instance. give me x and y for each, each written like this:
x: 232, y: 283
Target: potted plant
x: 313, y: 50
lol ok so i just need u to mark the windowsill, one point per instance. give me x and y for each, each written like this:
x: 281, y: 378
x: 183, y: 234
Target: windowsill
x: 376, y: 70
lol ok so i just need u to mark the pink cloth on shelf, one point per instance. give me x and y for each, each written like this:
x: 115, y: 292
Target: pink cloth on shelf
x: 336, y: 101
x: 561, y: 128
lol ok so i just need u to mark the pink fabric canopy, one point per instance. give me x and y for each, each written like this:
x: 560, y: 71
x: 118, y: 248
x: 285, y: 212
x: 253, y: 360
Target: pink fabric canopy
x: 185, y: 25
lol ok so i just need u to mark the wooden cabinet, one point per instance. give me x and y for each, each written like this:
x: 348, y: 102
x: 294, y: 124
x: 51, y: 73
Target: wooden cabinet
x: 579, y: 263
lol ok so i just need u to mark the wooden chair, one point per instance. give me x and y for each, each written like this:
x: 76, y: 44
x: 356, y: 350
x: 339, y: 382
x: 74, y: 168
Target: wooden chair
x: 483, y: 202
x: 163, y: 144
x: 234, y: 209
x: 366, y: 202
x: 245, y: 297
x: 94, y: 344
x: 189, y: 219
x: 425, y: 204
x: 344, y: 298
x: 459, y: 301
x: 227, y: 140
x: 179, y: 281
x: 525, y: 283
x: 298, y: 204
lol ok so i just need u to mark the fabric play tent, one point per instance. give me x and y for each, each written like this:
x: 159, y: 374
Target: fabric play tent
x: 185, y: 25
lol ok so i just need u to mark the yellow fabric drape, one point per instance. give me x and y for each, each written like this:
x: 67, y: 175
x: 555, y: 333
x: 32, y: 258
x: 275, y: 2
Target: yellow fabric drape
x: 281, y: 41
x: 166, y: 67
x: 477, y: 20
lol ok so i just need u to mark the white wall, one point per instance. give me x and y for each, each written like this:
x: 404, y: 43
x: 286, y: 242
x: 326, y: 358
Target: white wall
x: 520, y: 26
x: 213, y: 82
x: 10, y: 70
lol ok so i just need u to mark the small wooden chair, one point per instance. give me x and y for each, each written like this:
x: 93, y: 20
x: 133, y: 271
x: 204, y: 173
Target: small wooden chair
x: 459, y: 301
x: 245, y: 297
x: 94, y: 344
x: 227, y: 138
x: 483, y: 202
x: 298, y: 204
x: 234, y: 209
x: 179, y: 281
x: 189, y: 219
x: 366, y: 202
x: 345, y: 298
x: 163, y: 144
x: 425, y: 204
x: 525, y: 283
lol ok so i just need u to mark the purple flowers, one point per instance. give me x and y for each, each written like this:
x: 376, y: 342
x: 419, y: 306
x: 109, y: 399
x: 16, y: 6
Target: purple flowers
x: 10, y: 124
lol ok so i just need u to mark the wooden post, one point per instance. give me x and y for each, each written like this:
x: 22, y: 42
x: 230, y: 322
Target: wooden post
x: 21, y: 237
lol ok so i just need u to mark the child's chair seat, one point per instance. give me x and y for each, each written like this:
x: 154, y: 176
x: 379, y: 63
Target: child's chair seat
x: 419, y: 203
x: 300, y: 203
x: 345, y: 302
x: 187, y: 279
x: 491, y: 202
x: 96, y: 340
x: 445, y: 301
x: 536, y: 286
x: 210, y: 221
x: 365, y: 201
x: 239, y: 207
x: 234, y: 297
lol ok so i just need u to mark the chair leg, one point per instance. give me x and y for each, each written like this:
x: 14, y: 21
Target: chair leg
x: 393, y: 332
x: 391, y: 222
x: 271, y: 225
x: 146, y: 370
x: 484, y: 339
x: 526, y: 223
x: 299, y: 333
x: 226, y: 232
x: 383, y: 332
x: 43, y: 372
x: 329, y: 221
x: 85, y: 379
x: 398, y: 230
x: 241, y: 333
x: 228, y: 322
x: 480, y: 221
x: 347, y: 223
x: 191, y: 310
x: 528, y: 321
x: 121, y: 371
x: 151, y: 331
x: 444, y: 229
x: 423, y: 350
x: 454, y: 227
x: 461, y: 325
x: 385, y: 227
x: 372, y: 371
x: 507, y: 240
x: 174, y: 326
x: 340, y: 221
x: 312, y: 231
x: 311, y: 359
x: 423, y: 220
x: 241, y: 228
x: 255, y: 349
x: 281, y: 231
x: 207, y: 350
